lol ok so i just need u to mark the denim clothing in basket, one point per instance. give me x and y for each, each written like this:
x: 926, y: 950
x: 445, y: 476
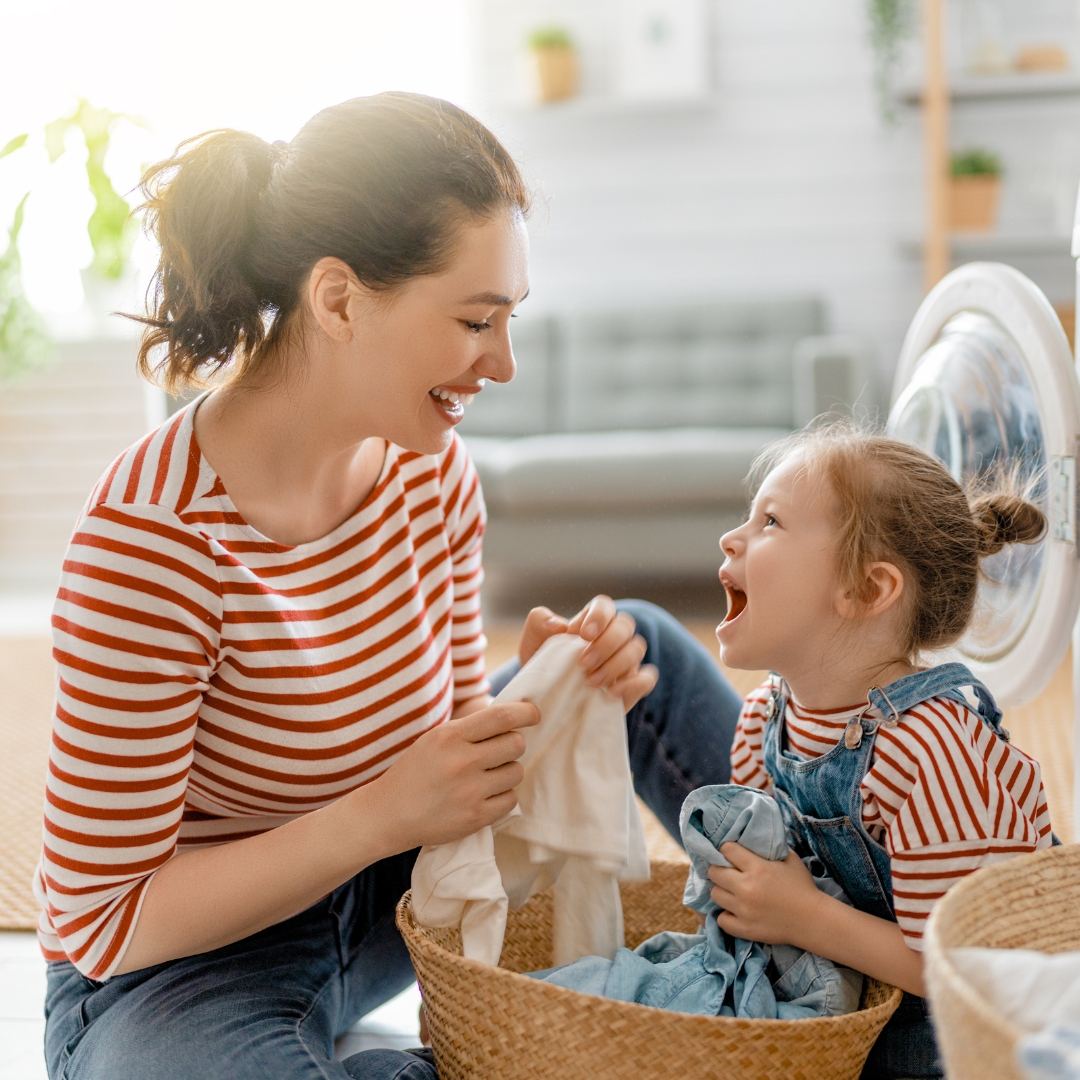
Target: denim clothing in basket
x: 713, y: 973
x: 269, y: 1007
x: 821, y: 802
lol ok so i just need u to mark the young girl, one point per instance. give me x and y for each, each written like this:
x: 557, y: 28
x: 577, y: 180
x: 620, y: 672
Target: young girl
x: 860, y: 554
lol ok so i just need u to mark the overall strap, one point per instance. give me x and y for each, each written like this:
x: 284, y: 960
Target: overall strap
x: 945, y: 680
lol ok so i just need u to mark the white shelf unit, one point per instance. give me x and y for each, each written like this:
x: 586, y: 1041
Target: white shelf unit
x: 999, y: 87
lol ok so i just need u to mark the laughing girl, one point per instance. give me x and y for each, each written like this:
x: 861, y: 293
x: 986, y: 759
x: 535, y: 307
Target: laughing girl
x: 861, y: 555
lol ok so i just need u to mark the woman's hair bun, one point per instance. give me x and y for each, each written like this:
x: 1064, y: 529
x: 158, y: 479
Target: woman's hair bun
x: 1003, y: 518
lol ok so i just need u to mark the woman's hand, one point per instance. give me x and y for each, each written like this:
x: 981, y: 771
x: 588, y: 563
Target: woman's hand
x: 613, y: 656
x: 762, y: 900
x: 457, y: 777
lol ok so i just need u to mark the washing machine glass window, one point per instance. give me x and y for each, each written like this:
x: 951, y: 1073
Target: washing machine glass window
x: 971, y: 402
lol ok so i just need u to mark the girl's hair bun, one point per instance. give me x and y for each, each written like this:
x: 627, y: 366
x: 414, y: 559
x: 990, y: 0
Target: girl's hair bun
x: 1004, y: 518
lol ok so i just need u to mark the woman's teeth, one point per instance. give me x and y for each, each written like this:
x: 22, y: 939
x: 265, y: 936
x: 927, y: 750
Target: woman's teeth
x: 442, y: 394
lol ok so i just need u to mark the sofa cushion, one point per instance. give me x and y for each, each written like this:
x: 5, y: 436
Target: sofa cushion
x: 724, y: 364
x: 617, y: 469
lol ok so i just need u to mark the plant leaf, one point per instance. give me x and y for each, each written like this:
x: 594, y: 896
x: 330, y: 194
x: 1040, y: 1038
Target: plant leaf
x: 54, y: 136
x: 12, y: 145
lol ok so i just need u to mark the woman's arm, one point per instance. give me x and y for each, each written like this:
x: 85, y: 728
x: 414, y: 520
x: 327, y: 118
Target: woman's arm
x: 778, y: 903
x: 455, y: 779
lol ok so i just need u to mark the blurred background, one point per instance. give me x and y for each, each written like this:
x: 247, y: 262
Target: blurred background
x: 731, y: 235
x: 739, y: 208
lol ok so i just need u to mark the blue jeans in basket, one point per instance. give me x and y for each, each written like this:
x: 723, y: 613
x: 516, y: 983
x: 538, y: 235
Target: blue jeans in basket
x: 269, y: 1007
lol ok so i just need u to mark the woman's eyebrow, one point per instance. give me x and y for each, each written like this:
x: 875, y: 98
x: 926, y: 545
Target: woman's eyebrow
x: 494, y: 299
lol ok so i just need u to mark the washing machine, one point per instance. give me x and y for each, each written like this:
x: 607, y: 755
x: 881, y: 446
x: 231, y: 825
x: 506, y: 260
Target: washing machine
x: 987, y: 383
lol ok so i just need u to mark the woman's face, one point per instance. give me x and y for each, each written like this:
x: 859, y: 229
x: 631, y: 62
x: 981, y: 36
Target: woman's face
x: 423, y: 351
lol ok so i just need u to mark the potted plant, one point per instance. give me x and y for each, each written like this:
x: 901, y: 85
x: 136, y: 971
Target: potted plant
x: 976, y: 189
x: 554, y: 64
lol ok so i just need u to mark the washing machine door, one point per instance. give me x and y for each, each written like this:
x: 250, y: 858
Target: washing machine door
x: 986, y: 382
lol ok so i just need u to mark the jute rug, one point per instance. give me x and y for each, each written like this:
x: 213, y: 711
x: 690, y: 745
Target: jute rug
x: 1044, y: 729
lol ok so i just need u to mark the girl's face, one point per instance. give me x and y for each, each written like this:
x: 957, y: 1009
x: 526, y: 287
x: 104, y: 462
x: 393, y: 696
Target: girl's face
x: 422, y: 352
x: 780, y: 576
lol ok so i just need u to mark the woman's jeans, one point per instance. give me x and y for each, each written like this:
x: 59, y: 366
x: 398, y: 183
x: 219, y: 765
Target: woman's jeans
x: 269, y: 1007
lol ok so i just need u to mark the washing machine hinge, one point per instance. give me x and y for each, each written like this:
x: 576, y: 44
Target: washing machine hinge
x: 1063, y: 499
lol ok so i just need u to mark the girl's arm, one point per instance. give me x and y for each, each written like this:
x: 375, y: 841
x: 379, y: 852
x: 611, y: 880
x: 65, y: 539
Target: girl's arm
x: 778, y: 903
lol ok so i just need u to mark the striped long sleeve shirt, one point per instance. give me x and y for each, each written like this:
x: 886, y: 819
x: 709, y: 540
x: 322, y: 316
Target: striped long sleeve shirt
x: 943, y: 793
x: 212, y: 684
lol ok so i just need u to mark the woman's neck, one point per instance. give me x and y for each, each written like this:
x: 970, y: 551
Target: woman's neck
x: 292, y: 472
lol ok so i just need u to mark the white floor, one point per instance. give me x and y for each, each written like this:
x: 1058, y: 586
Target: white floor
x: 22, y: 1028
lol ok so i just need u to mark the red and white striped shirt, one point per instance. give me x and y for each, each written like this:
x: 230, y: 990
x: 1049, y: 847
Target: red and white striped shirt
x: 213, y: 684
x: 943, y: 793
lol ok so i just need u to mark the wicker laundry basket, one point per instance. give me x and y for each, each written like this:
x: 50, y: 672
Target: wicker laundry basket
x: 1030, y: 902
x: 492, y: 1024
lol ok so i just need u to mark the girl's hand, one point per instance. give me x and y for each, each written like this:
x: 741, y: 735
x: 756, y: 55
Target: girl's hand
x: 457, y: 777
x: 613, y: 656
x: 766, y: 901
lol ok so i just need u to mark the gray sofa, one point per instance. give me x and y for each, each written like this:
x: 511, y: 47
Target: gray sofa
x: 621, y: 446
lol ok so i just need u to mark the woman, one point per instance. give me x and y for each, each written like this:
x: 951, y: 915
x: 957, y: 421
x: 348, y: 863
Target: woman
x: 271, y: 685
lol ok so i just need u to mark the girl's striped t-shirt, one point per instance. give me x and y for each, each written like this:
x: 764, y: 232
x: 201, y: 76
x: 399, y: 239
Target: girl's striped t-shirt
x: 213, y: 684
x: 943, y: 793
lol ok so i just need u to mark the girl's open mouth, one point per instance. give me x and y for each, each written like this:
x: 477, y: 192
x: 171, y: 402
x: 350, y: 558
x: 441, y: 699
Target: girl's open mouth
x: 736, y: 602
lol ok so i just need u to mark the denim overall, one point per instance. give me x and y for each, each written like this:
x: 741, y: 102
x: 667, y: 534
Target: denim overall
x: 822, y: 807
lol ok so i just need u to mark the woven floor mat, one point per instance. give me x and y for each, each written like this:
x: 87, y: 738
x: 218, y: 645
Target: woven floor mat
x: 26, y: 699
x: 1043, y: 729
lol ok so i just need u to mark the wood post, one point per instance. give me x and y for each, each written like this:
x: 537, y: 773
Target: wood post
x: 936, y: 253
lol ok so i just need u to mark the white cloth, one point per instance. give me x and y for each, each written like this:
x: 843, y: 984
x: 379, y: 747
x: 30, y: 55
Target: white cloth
x: 576, y: 824
x: 1039, y: 993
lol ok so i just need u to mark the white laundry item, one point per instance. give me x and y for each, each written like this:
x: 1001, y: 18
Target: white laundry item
x: 1039, y: 993
x: 576, y: 824
x: 1031, y: 989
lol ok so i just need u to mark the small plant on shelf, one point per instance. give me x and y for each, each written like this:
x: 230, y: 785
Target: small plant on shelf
x: 975, y: 190
x: 554, y: 63
x: 976, y: 162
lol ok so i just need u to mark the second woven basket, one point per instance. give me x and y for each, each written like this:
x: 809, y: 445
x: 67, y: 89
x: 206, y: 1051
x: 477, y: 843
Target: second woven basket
x: 491, y: 1023
x: 1030, y: 902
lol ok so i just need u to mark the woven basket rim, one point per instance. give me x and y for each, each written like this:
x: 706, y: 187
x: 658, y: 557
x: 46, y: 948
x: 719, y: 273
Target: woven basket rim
x: 826, y: 1025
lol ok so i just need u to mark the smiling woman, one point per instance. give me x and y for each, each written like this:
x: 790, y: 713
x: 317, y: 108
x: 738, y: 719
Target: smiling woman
x: 271, y: 676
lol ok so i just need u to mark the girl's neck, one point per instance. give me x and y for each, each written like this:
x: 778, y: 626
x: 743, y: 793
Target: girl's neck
x: 824, y: 687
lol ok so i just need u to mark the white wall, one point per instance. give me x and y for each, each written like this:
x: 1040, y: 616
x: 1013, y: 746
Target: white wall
x: 787, y: 183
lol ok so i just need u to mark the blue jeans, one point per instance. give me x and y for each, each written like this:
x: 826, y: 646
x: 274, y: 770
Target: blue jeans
x: 269, y: 1007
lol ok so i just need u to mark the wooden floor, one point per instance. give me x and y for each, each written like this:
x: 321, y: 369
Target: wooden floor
x: 1043, y: 729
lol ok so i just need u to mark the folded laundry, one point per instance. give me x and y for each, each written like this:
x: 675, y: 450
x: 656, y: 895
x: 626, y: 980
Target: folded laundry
x: 1039, y: 993
x: 576, y: 825
x: 712, y: 973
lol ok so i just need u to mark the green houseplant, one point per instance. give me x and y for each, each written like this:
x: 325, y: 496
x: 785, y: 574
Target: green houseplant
x: 111, y: 226
x: 23, y: 341
x: 555, y: 63
x: 975, y: 190
x: 892, y: 22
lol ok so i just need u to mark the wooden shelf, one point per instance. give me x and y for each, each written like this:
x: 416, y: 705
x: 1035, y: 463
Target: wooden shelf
x: 966, y: 247
x: 588, y: 107
x: 1004, y: 87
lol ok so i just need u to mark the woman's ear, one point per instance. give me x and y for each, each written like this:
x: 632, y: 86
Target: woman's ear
x: 882, y: 586
x: 333, y: 295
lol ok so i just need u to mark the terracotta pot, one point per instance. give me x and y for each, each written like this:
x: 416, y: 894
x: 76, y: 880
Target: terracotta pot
x: 556, y: 73
x: 973, y: 203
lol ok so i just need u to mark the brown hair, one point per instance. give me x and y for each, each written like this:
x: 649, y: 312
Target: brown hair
x: 898, y: 504
x: 381, y: 182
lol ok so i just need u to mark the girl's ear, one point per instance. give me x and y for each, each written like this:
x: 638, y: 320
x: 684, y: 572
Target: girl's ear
x: 882, y: 586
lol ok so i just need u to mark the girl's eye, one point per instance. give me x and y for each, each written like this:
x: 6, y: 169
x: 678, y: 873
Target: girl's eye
x: 770, y: 520
x: 476, y: 327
